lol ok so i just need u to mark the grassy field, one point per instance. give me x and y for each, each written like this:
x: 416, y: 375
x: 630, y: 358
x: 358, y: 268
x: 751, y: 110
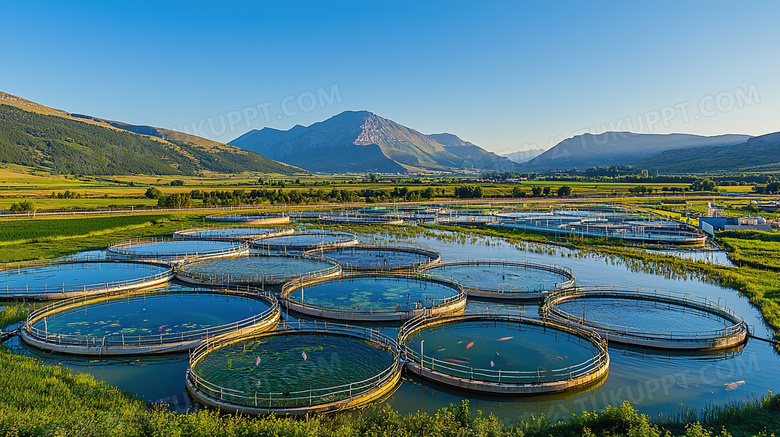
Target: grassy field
x: 41, y: 400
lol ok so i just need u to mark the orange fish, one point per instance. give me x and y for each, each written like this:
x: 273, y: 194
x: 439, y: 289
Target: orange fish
x: 257, y: 363
x: 492, y: 364
x: 453, y: 360
x: 469, y: 345
x: 303, y: 354
x: 505, y: 338
x: 161, y: 327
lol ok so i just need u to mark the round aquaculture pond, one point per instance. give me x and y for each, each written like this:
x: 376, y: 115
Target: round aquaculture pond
x: 250, y: 219
x: 161, y: 320
x: 374, y: 297
x: 369, y: 257
x: 301, y: 369
x: 255, y: 270
x: 362, y: 219
x: 503, y: 354
x: 230, y: 234
x: 499, y: 279
x: 56, y: 280
x: 656, y: 319
x: 306, y: 240
x: 175, y: 250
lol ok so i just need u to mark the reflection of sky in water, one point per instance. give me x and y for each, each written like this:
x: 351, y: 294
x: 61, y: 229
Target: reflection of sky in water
x: 231, y: 232
x: 377, y: 294
x: 643, y: 315
x: 375, y: 258
x: 74, y: 276
x: 500, y: 346
x: 251, y: 266
x: 305, y: 239
x: 152, y: 315
x: 176, y: 247
x: 504, y: 278
x: 692, y: 381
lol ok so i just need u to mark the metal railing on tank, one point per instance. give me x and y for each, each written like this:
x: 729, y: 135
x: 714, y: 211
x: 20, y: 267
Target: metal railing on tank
x: 122, y: 340
x: 427, y: 305
x: 594, y: 365
x: 121, y: 250
x: 266, y: 278
x: 343, y: 394
x: 92, y: 289
x: 738, y: 327
x: 562, y: 271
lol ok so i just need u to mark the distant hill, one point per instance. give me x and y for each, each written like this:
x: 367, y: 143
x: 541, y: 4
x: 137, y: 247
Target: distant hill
x: 35, y: 135
x: 613, y: 148
x: 758, y: 154
x: 522, y: 156
x: 360, y: 141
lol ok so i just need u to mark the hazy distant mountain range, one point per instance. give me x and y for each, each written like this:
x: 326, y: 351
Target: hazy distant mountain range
x: 38, y: 136
x: 757, y: 154
x: 522, y: 156
x: 611, y: 148
x: 351, y: 142
x: 361, y: 141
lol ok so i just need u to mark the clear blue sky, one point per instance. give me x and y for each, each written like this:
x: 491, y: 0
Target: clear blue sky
x: 504, y: 75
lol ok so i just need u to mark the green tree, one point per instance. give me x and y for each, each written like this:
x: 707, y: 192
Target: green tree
x: 153, y: 193
x: 564, y: 191
x: 546, y: 191
x: 24, y: 206
x: 536, y: 191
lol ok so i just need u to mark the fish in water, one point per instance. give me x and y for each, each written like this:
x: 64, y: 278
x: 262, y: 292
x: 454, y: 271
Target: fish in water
x: 162, y: 327
x: 469, y: 345
x: 505, y: 338
x: 257, y: 363
x: 441, y: 350
x: 453, y: 360
x: 492, y: 364
x: 734, y: 385
x: 303, y: 354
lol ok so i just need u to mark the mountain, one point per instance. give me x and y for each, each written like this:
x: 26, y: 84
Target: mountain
x: 360, y: 141
x: 612, y: 148
x: 38, y: 136
x: 522, y: 156
x: 758, y: 154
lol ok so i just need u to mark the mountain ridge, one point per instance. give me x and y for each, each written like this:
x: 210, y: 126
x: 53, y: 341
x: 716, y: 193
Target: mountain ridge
x: 36, y: 135
x: 757, y: 154
x: 615, y: 148
x: 361, y: 141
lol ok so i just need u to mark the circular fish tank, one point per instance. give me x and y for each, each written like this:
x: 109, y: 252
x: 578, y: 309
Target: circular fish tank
x: 503, y: 354
x: 368, y: 297
x: 362, y: 219
x: 256, y: 270
x: 655, y: 319
x: 306, y: 240
x: 229, y: 234
x: 304, y: 368
x: 250, y: 219
x: 369, y: 257
x: 63, y: 279
x: 175, y: 250
x: 163, y: 320
x: 499, y: 279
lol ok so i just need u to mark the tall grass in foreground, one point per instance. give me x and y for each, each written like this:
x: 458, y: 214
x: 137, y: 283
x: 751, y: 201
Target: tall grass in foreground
x: 14, y: 313
x: 38, y: 400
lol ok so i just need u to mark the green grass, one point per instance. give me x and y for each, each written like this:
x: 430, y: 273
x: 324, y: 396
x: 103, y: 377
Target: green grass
x: 38, y: 400
x: 14, y: 313
x: 22, y: 240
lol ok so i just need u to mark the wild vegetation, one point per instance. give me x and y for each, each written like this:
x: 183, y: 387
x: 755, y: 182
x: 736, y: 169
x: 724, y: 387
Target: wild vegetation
x: 66, y: 146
